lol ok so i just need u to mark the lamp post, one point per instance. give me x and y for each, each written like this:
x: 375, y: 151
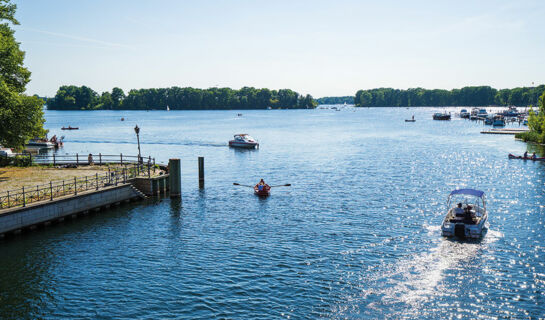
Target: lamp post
x: 137, y: 131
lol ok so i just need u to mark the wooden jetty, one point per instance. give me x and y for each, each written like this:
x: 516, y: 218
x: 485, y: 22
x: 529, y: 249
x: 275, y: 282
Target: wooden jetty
x: 504, y: 131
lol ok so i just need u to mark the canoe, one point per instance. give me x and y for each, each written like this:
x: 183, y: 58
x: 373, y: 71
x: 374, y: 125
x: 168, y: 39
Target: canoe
x: 265, y: 191
x: 528, y: 158
x: 409, y: 120
x: 70, y: 128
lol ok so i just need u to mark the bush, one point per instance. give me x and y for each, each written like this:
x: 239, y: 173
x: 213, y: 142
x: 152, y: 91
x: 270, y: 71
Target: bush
x: 530, y: 136
x: 17, y: 161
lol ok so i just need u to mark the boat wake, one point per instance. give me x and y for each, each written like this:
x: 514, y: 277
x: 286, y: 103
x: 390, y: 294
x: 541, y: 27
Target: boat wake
x: 181, y: 143
x: 405, y: 285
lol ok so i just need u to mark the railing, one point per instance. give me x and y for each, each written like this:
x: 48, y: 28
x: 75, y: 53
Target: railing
x: 84, y: 159
x: 54, y: 189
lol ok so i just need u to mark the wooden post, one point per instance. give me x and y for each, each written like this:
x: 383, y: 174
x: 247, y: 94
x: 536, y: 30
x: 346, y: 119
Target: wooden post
x: 149, y: 164
x: 30, y: 155
x: 63, y: 192
x: 100, y: 158
x: 24, y: 198
x: 201, y: 172
x: 8, y: 199
x: 121, y: 157
x: 77, y: 159
x: 109, y: 176
x: 124, y: 175
x: 54, y: 161
x: 75, y: 186
x: 86, y: 186
x: 97, y: 180
x: 175, y: 177
x: 51, y: 190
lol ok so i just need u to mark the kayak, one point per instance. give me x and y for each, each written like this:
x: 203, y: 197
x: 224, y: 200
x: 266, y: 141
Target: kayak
x: 511, y: 156
x: 265, y: 190
x: 410, y: 120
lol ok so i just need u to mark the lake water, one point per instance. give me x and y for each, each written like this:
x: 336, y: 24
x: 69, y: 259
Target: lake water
x: 356, y: 235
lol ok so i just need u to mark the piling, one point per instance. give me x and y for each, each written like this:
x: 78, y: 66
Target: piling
x: 175, y: 177
x: 201, y: 172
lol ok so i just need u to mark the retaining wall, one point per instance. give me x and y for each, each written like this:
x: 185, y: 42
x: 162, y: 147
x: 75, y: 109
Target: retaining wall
x: 18, y: 218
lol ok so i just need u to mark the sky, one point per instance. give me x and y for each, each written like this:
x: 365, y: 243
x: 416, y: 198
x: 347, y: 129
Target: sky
x: 322, y: 48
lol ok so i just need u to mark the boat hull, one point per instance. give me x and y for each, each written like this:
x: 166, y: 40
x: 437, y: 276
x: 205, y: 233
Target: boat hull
x: 239, y: 144
x: 464, y: 230
x: 528, y: 158
x: 264, y: 192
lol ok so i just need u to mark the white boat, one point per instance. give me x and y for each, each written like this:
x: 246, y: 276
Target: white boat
x: 168, y: 109
x: 40, y: 143
x: 464, y: 113
x: 243, y: 140
x: 467, y: 218
x: 6, y: 152
x: 482, y: 113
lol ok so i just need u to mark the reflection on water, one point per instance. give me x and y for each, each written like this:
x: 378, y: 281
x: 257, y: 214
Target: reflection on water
x: 356, y: 235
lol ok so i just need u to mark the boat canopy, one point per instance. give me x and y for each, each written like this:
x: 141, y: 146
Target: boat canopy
x: 471, y: 192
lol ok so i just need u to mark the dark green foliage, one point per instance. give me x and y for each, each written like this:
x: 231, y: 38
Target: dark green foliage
x: 17, y: 161
x: 336, y: 100
x: 21, y: 116
x: 536, y: 123
x: 466, y: 96
x: 84, y: 98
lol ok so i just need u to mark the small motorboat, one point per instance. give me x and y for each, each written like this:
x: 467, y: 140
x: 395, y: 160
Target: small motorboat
x: 71, y: 128
x: 410, y: 120
x: 512, y: 156
x: 489, y: 119
x: 464, y: 114
x: 262, y: 190
x: 441, y: 116
x: 239, y: 114
x: 243, y: 140
x: 468, y: 218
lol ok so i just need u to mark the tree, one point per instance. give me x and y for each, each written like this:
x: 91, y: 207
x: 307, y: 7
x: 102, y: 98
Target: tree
x: 21, y: 116
x: 117, y: 97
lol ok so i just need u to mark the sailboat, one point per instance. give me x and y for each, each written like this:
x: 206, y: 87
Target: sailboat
x: 168, y: 109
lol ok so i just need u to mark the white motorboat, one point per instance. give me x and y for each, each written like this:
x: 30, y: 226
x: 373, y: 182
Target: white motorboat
x: 467, y: 218
x: 243, y: 140
x: 40, y: 143
x: 482, y: 114
x: 464, y: 113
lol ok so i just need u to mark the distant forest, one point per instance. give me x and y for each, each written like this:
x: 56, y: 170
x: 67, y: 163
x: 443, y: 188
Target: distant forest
x: 85, y: 98
x: 466, y: 96
x: 336, y: 100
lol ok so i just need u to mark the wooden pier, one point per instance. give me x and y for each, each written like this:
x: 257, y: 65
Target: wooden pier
x: 504, y: 131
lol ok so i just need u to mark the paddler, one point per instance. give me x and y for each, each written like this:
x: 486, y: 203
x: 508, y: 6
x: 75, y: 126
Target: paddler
x: 525, y: 155
x: 260, y: 185
x: 534, y: 156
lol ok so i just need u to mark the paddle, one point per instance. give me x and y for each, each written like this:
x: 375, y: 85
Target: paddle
x: 242, y: 185
x: 283, y: 185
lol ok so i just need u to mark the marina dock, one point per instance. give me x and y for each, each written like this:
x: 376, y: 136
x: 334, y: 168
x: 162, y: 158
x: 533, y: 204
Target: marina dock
x: 504, y: 131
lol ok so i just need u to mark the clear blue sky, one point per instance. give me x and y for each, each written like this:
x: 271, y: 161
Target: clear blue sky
x: 325, y: 48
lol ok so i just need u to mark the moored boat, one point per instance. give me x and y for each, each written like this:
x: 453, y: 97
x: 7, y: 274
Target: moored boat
x: 243, y: 140
x: 441, y: 116
x: 75, y: 128
x: 512, y: 156
x: 468, y: 218
x: 489, y: 119
x: 464, y: 114
x: 40, y: 143
x: 499, y: 121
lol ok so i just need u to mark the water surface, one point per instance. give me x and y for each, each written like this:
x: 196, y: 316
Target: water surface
x: 356, y: 236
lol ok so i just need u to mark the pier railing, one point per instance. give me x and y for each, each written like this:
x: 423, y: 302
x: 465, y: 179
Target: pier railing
x: 54, y: 189
x: 25, y: 159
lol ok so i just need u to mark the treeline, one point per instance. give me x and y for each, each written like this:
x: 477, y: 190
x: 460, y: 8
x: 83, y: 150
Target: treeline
x: 466, y: 96
x: 84, y: 98
x: 336, y: 100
